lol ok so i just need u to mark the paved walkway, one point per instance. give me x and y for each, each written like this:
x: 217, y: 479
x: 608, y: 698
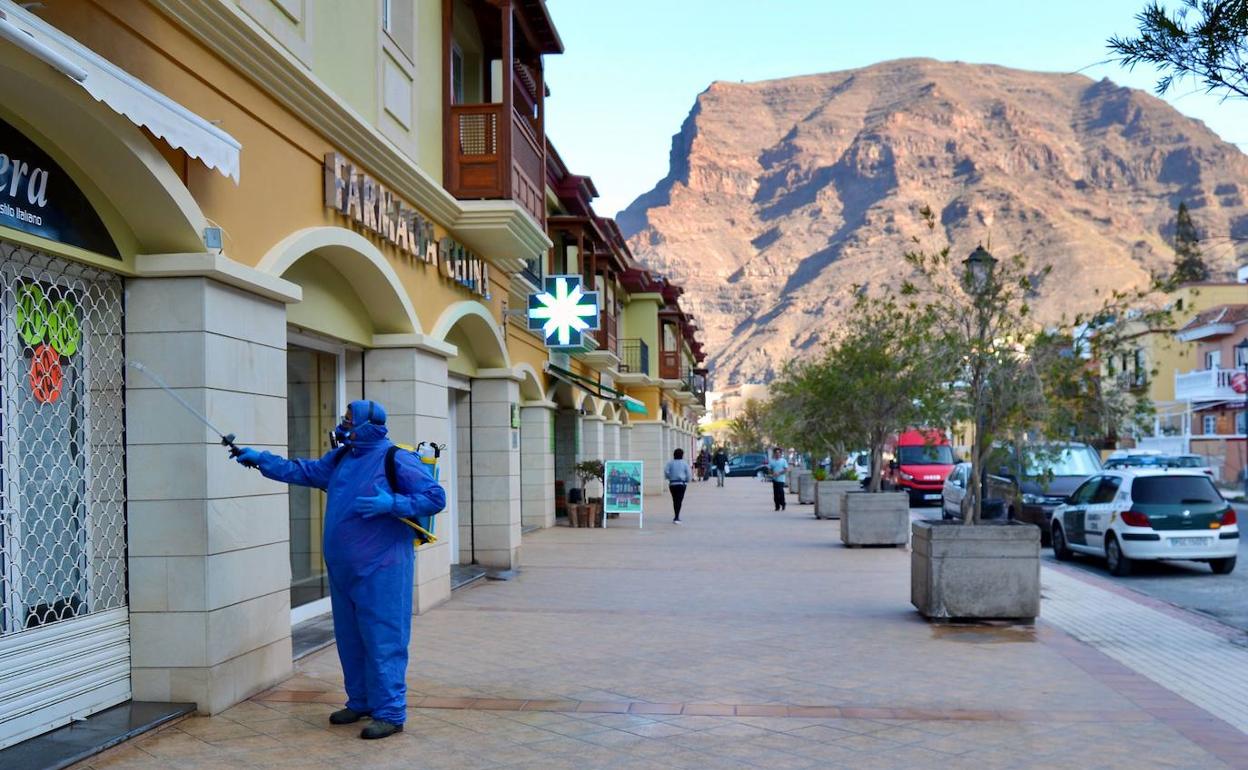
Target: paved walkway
x: 744, y: 639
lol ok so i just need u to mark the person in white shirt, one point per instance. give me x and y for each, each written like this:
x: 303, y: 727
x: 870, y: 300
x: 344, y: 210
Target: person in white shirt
x: 678, y: 474
x: 778, y: 469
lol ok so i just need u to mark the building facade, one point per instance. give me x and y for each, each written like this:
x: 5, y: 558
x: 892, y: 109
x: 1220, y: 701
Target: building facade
x: 273, y: 208
x: 1215, y: 392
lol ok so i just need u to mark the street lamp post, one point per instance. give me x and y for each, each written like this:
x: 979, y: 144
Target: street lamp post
x: 1241, y: 352
x: 978, y: 279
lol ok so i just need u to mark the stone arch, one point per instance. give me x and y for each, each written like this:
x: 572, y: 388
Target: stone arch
x: 530, y: 383
x: 470, y: 326
x: 359, y: 263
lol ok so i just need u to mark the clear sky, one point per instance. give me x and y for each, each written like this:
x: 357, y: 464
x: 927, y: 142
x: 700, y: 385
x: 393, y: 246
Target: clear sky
x: 633, y: 67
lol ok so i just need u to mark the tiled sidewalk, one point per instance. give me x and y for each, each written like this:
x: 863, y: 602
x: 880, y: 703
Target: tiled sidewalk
x: 745, y: 639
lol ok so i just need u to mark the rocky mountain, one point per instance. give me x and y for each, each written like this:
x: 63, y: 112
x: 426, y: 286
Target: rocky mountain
x: 783, y: 195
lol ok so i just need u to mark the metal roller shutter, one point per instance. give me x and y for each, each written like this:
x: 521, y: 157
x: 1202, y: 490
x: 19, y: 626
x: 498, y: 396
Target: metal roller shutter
x: 64, y: 629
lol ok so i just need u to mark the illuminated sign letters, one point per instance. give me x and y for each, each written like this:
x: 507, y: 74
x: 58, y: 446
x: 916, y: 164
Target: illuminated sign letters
x: 365, y: 201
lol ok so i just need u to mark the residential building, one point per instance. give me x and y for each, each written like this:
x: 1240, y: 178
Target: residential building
x: 275, y: 208
x: 1216, y: 419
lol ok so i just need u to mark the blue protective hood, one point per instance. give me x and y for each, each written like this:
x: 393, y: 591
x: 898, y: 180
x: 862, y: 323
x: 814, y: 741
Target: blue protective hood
x: 368, y: 422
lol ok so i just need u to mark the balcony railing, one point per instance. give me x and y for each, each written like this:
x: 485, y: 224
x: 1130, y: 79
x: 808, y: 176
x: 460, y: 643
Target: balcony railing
x: 478, y: 157
x: 696, y: 384
x: 606, y: 334
x: 634, y: 357
x: 1206, y: 385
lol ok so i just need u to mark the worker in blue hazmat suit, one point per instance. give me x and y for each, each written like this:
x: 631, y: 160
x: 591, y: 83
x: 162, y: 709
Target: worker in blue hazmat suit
x: 369, y: 555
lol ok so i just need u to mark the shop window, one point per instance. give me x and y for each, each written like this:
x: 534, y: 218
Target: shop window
x: 1241, y: 422
x: 1210, y: 425
x: 62, y: 506
x: 312, y: 410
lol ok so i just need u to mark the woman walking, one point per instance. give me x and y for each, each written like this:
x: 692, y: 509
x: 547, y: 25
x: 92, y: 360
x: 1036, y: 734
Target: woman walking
x: 678, y: 475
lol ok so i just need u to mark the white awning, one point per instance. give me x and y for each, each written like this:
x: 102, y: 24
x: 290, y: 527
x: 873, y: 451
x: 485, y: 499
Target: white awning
x: 124, y: 93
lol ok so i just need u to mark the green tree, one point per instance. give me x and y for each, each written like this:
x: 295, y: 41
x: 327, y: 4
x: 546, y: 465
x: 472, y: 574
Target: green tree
x: 1189, y: 265
x: 874, y: 378
x: 1205, y: 40
x: 745, y: 431
x: 1014, y: 378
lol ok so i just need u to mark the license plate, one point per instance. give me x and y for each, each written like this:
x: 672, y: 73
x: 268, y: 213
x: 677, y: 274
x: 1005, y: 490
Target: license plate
x: 931, y: 497
x: 1183, y: 542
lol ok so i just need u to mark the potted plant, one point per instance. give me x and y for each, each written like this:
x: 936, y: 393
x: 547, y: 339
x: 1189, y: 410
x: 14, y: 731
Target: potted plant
x: 1011, y: 377
x: 830, y: 493
x: 587, y: 471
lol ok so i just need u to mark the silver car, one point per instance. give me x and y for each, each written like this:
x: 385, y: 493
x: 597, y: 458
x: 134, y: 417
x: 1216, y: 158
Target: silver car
x: 954, y: 491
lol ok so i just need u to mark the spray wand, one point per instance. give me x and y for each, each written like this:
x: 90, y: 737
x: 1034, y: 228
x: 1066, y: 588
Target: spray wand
x: 227, y: 439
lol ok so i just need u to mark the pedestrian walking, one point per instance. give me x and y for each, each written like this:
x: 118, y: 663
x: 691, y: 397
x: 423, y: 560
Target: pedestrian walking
x: 720, y: 460
x: 704, y: 465
x: 368, y: 554
x: 778, y: 470
x: 678, y: 475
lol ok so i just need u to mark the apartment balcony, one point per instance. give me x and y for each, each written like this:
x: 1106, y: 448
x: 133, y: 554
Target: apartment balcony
x: 487, y: 163
x: 634, y: 357
x: 671, y: 365
x: 1207, y: 385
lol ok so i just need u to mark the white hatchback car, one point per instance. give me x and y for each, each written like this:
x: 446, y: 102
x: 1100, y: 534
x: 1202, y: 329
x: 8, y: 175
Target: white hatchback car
x: 1147, y: 514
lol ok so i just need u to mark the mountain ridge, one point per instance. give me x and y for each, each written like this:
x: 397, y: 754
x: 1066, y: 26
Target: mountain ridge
x: 782, y: 195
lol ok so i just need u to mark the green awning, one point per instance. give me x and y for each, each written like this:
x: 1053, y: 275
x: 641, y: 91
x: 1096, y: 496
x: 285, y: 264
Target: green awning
x: 597, y: 389
x: 633, y: 405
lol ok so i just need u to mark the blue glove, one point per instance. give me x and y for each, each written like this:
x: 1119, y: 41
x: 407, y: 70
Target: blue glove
x: 381, y: 504
x: 248, y: 457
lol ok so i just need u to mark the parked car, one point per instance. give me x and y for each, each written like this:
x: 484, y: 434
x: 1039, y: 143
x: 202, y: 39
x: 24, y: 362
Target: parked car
x: 1033, y: 485
x: 954, y: 491
x: 1134, y: 461
x: 859, y: 462
x: 1147, y: 514
x: 746, y: 464
x: 1190, y: 462
x: 923, y: 460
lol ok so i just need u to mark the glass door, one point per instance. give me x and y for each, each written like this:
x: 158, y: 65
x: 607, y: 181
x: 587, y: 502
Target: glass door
x: 314, y: 394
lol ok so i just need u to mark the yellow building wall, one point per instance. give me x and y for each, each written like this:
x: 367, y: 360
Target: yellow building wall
x: 281, y: 189
x: 641, y: 321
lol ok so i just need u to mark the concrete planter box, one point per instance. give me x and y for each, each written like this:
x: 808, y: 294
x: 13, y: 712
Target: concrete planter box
x: 794, y: 475
x: 880, y: 518
x: 829, y: 495
x: 806, y: 488
x: 990, y: 570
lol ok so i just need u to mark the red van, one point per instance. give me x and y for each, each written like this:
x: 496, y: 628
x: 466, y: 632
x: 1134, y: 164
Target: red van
x: 922, y: 460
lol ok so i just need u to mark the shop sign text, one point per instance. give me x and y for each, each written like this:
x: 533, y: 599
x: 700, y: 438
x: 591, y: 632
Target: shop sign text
x: 365, y: 201
x: 38, y: 197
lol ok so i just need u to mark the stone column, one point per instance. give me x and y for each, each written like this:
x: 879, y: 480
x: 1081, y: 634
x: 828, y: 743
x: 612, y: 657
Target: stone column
x: 647, y: 446
x: 495, y: 505
x: 626, y: 442
x: 209, y: 550
x: 591, y: 448
x: 411, y: 384
x: 611, y: 441
x: 537, y: 465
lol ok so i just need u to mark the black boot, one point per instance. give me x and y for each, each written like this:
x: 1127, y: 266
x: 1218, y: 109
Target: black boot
x: 378, y: 729
x: 345, y: 717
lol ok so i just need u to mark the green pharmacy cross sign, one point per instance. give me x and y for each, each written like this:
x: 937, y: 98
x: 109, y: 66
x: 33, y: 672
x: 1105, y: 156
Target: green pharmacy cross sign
x: 563, y: 311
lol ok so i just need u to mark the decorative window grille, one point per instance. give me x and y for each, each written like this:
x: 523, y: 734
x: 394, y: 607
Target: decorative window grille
x: 62, y: 462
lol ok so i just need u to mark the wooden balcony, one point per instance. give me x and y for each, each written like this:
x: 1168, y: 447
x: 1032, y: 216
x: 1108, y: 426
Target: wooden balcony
x: 485, y: 163
x: 670, y: 365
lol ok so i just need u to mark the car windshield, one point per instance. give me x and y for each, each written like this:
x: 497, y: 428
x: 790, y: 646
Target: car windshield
x: 1185, y: 462
x: 925, y: 455
x: 1073, y: 461
x: 1174, y: 490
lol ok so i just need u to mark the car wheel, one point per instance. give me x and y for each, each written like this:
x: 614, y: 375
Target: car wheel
x: 1222, y: 566
x: 1119, y: 564
x: 1061, y: 551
